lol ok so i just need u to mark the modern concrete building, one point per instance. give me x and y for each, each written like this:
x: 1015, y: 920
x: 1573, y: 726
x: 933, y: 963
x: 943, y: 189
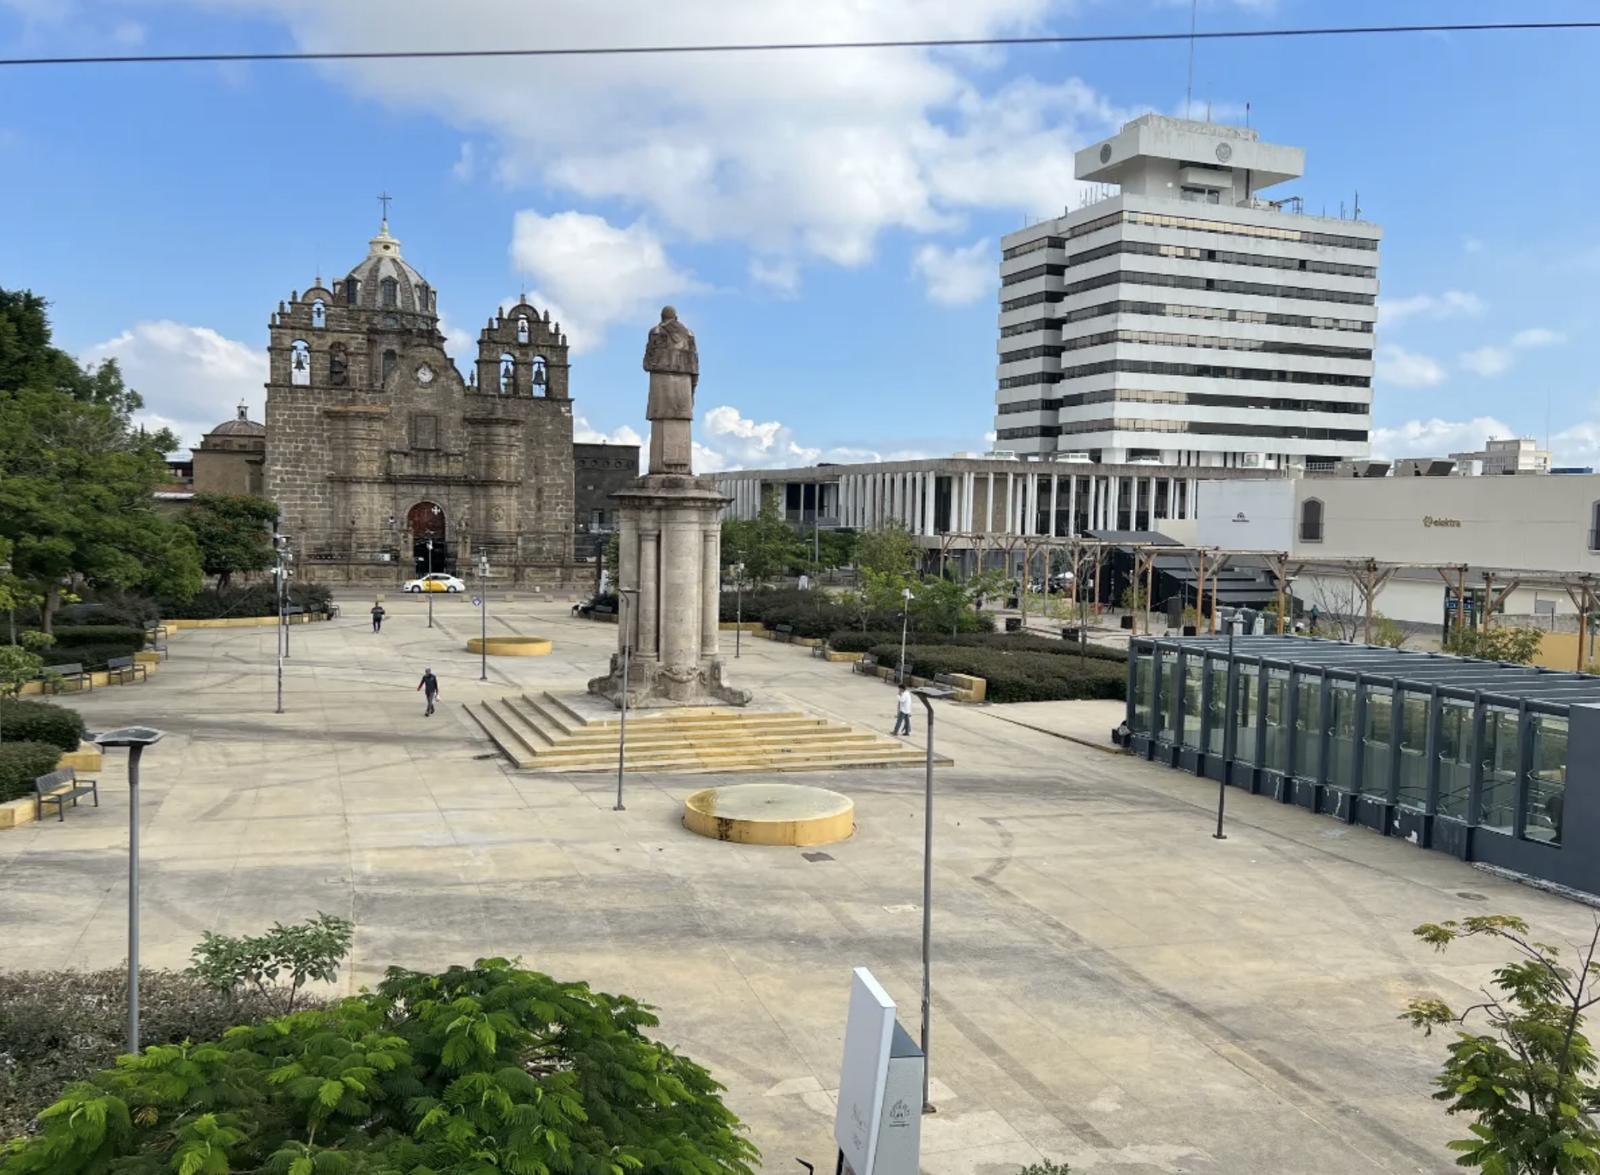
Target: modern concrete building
x: 1512, y: 455
x: 1185, y: 320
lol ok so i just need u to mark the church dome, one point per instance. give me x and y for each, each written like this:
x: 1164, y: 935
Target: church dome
x: 240, y: 426
x: 385, y: 281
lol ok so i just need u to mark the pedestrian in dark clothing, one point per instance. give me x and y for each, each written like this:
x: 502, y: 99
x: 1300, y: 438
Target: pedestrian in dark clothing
x: 377, y: 616
x: 429, y: 685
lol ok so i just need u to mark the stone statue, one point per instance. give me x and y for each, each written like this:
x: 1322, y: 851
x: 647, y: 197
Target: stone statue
x: 674, y: 366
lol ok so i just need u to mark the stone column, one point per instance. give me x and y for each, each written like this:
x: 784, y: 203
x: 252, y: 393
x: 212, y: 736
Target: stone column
x: 1072, y: 505
x: 931, y: 514
x: 628, y: 576
x: 710, y: 589
x: 648, y: 597
x: 1133, y: 503
x: 1092, y: 488
x: 680, y: 569
x: 1011, y: 503
x: 1054, y: 479
x: 988, y: 505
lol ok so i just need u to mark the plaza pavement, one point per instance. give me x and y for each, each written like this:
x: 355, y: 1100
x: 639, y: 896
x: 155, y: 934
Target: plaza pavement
x: 1112, y: 986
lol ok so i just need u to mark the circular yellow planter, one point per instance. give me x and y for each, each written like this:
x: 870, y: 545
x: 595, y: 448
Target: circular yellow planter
x: 770, y: 814
x: 511, y: 646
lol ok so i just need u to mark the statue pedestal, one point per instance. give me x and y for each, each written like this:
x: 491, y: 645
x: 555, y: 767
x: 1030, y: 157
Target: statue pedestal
x: 670, y: 549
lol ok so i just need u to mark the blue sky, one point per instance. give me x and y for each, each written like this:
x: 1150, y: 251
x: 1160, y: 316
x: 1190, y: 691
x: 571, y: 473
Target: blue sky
x: 828, y: 223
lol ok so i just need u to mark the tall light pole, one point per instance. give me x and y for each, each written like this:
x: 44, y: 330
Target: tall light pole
x: 136, y: 739
x: 738, y: 606
x: 622, y: 722
x: 1229, y: 731
x: 905, y: 620
x: 928, y: 693
x: 279, y: 543
x: 483, y: 618
x: 425, y: 575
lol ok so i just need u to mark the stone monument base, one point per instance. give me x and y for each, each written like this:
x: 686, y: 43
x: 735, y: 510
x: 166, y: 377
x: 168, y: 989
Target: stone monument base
x: 653, y: 684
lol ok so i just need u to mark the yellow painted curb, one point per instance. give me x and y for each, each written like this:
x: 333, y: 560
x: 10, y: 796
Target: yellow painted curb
x: 244, y: 621
x: 834, y: 655
x: 87, y: 759
x: 511, y: 646
x: 770, y: 814
x: 15, y: 813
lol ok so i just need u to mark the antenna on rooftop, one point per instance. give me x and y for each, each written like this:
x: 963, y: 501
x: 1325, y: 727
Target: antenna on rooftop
x: 1247, y: 116
x: 1188, y: 92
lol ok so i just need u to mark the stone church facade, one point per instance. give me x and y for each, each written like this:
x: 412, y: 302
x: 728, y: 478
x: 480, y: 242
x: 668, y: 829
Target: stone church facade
x: 375, y: 443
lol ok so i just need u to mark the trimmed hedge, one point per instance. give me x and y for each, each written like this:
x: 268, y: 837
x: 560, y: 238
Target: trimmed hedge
x: 259, y: 599
x: 1020, y: 676
x: 95, y: 634
x: 91, y: 656
x: 848, y: 641
x: 40, y: 722
x: 23, y: 762
x: 818, y: 614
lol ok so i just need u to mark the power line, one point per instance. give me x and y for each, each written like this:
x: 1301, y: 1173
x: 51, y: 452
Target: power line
x: 809, y: 46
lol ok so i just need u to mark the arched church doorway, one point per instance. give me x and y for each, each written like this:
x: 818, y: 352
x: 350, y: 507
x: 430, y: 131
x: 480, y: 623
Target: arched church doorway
x: 425, y: 521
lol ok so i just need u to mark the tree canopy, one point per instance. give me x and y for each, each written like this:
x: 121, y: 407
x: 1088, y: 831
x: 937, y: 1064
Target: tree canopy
x: 765, y: 544
x: 233, y: 533
x: 76, y: 475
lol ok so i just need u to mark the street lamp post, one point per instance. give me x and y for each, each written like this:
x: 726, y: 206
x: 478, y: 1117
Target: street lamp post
x: 483, y: 618
x: 279, y: 544
x: 1229, y: 732
x: 622, y: 722
x: 905, y: 620
x: 425, y: 574
x: 928, y: 693
x: 738, y: 606
x: 136, y: 739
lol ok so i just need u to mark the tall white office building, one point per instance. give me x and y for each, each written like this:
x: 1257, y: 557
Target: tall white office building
x: 1186, y: 320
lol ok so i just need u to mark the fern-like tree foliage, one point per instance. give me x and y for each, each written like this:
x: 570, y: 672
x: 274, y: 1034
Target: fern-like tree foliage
x: 1520, y: 1067
x: 483, y: 1070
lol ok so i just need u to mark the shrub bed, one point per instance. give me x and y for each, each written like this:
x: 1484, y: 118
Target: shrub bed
x: 40, y: 722
x: 57, y: 1027
x: 1020, y: 676
x: 259, y: 599
x: 852, y: 641
x: 23, y: 762
x: 92, y: 645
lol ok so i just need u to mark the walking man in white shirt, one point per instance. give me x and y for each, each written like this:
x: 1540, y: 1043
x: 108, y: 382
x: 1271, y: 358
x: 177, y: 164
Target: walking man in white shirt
x: 902, y: 716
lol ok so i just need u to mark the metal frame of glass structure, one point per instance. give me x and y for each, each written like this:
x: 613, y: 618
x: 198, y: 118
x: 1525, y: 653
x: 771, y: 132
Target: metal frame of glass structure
x: 1467, y: 757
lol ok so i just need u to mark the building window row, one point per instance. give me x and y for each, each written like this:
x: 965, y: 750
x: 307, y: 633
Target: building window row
x: 1197, y: 224
x: 1191, y: 427
x: 1216, y: 371
x: 1221, y: 256
x: 1216, y: 313
x: 1033, y: 377
x: 1033, y: 246
x: 1026, y: 328
x: 1184, y: 281
x: 1039, y: 299
x: 1208, y: 342
x: 1049, y: 351
x: 1033, y: 271
x: 1197, y: 399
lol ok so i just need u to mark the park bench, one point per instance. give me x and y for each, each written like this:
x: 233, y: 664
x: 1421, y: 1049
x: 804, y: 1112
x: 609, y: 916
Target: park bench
x: 55, y: 676
x: 868, y: 664
x: 155, y: 637
x: 331, y: 610
x: 783, y: 632
x: 945, y: 680
x: 125, y: 669
x: 60, y: 786
x: 1013, y: 624
x: 602, y: 610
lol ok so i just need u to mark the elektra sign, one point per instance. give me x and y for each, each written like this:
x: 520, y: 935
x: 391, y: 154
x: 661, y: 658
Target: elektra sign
x: 1430, y: 520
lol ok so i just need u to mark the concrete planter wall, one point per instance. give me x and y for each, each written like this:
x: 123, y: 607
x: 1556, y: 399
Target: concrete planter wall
x: 88, y: 762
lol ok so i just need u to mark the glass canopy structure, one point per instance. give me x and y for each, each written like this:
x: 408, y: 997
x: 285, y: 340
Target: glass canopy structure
x: 1466, y: 757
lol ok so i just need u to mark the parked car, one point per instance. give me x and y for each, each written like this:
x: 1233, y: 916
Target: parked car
x: 436, y: 582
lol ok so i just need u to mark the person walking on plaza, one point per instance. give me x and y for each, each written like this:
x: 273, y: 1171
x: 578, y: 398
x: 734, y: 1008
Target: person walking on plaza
x: 902, y: 712
x: 377, y: 616
x: 429, y: 685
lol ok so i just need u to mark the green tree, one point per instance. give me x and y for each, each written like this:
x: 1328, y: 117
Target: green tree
x: 888, y: 550
x: 1517, y: 646
x: 305, y: 951
x: 489, y: 1068
x: 1527, y: 1084
x: 838, y: 549
x: 75, y: 475
x: 765, y: 544
x: 1385, y: 632
x: 233, y: 533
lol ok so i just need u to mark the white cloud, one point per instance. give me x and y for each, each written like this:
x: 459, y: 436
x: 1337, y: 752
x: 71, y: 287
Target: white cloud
x: 1438, y: 307
x: 957, y: 276
x: 191, y: 377
x: 586, y: 434
x: 781, y: 275
x: 1487, y: 361
x: 1537, y: 336
x: 1577, y: 445
x: 802, y: 155
x: 598, y: 275
x: 1408, y: 369
x: 1436, y: 437
x: 727, y: 439
x: 128, y: 33
x: 466, y: 164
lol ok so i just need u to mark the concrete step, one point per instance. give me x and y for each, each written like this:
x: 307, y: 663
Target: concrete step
x: 711, y: 751
x: 646, y: 734
x: 501, y: 734
x: 797, y: 760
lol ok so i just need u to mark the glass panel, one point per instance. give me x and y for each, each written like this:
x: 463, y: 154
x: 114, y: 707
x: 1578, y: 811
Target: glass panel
x: 1376, y: 740
x: 1308, y: 727
x: 1547, y: 780
x: 1217, y: 710
x: 1193, y: 675
x: 1414, y: 750
x: 1501, y: 760
x: 1246, y: 711
x: 1455, y: 758
x: 1342, y: 736
x: 1167, y: 697
x: 1277, y: 720
x: 1141, y: 694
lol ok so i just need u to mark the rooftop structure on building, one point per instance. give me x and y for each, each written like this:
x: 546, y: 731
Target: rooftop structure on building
x: 1186, y: 320
x: 1506, y: 455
